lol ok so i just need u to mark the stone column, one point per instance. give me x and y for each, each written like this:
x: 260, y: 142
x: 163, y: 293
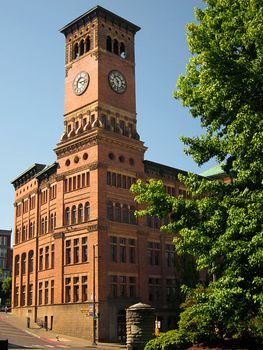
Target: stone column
x: 140, y: 325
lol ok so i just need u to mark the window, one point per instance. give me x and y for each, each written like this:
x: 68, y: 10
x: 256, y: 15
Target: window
x: 132, y: 246
x: 109, y: 44
x: 52, y: 292
x: 81, y: 48
x: 52, y: 256
x: 30, y: 261
x: 46, y: 258
x: 40, y: 259
x: 113, y: 249
x: 51, y: 222
x: 17, y: 265
x: 87, y: 43
x: 40, y: 293
x: 76, y: 289
x: 170, y: 255
x: 23, y: 233
x: 46, y: 292
x: 125, y: 213
x: 68, y: 252
x: 123, y: 286
x: 16, y: 296
x: 154, y: 289
x: 113, y: 286
x: 23, y: 296
x: 30, y: 295
x: 76, y: 250
x: 42, y: 229
x: 117, y: 212
x: 110, y: 211
x: 123, y: 250
x: 84, y: 253
x: 170, y: 289
x: 84, y: 281
x: 75, y: 51
x: 31, y: 230
x: 87, y: 211
x: 67, y: 216
x: 116, y: 47
x: 68, y: 290
x: 24, y: 263
x: 74, y: 215
x: 132, y: 216
x: 122, y: 50
x: 132, y: 286
x: 80, y: 213
x: 154, y: 253
x: 17, y: 236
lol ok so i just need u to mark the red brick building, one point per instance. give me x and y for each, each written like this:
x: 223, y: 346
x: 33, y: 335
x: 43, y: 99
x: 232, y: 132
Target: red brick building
x: 76, y: 236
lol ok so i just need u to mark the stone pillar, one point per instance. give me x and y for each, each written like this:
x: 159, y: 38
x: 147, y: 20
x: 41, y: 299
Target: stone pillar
x: 140, y: 325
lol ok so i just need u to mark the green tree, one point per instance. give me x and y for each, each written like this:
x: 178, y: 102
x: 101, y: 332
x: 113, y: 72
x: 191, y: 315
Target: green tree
x: 221, y: 225
x: 6, y: 290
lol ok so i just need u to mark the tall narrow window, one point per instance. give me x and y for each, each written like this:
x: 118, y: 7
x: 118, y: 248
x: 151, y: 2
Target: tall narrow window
x: 81, y: 48
x: 117, y: 212
x: 116, y: 47
x: 109, y: 44
x: 87, y: 43
x: 51, y: 222
x: 17, y: 265
x: 110, y: 211
x: 67, y: 216
x: 84, y: 281
x: 23, y: 296
x: 80, y: 213
x: 76, y: 289
x: 123, y: 250
x: 113, y: 249
x: 30, y: 230
x: 30, y: 295
x: 132, y: 216
x: 40, y: 259
x: 113, y: 286
x: 132, y: 246
x: 76, y: 51
x: 46, y: 292
x: 84, y: 252
x: 52, y: 292
x: 74, y: 215
x: 76, y: 250
x: 46, y: 257
x: 23, y: 263
x: 30, y: 261
x: 87, y: 211
x: 40, y: 293
x: 42, y: 229
x: 125, y: 214
x: 122, y: 50
x: 45, y: 229
x: 16, y: 296
x: 68, y: 252
x: 68, y: 290
x: 52, y: 256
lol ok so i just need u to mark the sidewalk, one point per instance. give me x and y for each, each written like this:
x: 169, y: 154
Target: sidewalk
x: 52, y: 337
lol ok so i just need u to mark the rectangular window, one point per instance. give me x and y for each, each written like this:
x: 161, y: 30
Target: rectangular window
x: 23, y: 296
x: 52, y: 292
x: 76, y: 251
x: 118, y: 180
x: 40, y: 259
x: 87, y: 179
x: 123, y: 250
x: 132, y: 286
x: 132, y: 247
x: 46, y: 292
x: 83, y: 180
x: 84, y: 249
x: 170, y: 255
x: 68, y: 290
x: 47, y: 258
x: 113, y: 286
x: 113, y: 179
x: 76, y: 289
x: 154, y: 289
x: 123, y: 286
x: 170, y: 289
x: 124, y: 181
x: 30, y: 294
x: 154, y: 253
x: 16, y: 296
x: 113, y: 249
x: 68, y: 252
x: 40, y: 293
x: 52, y: 256
x: 84, y: 281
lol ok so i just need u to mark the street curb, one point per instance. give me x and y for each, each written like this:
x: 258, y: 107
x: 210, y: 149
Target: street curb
x: 45, y: 339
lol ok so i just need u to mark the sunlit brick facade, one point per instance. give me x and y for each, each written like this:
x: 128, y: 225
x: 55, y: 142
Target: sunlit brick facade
x: 81, y: 204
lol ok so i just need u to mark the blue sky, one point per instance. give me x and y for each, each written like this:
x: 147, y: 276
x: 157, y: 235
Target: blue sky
x: 32, y: 81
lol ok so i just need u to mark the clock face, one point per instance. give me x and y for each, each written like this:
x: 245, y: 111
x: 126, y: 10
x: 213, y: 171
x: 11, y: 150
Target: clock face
x: 117, y: 82
x: 80, y: 83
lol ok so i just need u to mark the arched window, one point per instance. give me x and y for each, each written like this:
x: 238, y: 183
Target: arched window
x: 109, y: 44
x: 132, y: 216
x: 24, y: 233
x: 30, y: 230
x: 87, y: 43
x: 74, y: 215
x: 51, y: 222
x: 122, y: 51
x: 81, y: 48
x: 110, y: 211
x: 46, y: 227
x: 23, y: 263
x: 17, y: 265
x: 116, y: 47
x: 67, y: 216
x: 30, y: 261
x: 87, y: 211
x: 76, y: 51
x: 80, y: 213
x: 125, y: 214
x: 117, y: 212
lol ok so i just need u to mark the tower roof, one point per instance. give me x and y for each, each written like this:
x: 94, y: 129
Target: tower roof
x: 99, y: 11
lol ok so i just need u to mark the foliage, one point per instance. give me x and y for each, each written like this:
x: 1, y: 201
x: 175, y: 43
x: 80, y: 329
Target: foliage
x: 5, y: 291
x: 220, y: 224
x: 167, y: 341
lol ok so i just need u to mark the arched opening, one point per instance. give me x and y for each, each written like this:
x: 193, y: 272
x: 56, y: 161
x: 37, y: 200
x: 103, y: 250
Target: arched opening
x: 80, y: 213
x: 116, y: 47
x: 81, y: 48
x: 109, y: 44
x: 87, y: 43
x: 67, y: 216
x: 74, y: 215
x: 122, y: 51
x: 76, y: 51
x: 87, y: 211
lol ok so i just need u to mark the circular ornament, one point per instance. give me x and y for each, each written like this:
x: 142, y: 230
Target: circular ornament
x: 117, y: 81
x: 80, y: 83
